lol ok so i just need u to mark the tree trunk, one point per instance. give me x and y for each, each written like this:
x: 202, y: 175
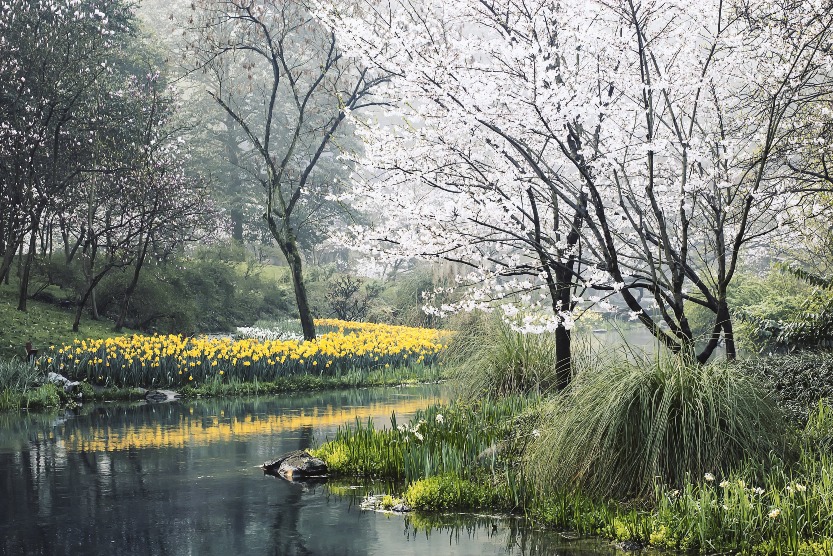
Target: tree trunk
x: 26, y: 272
x: 293, y: 258
x: 235, y: 185
x: 563, y: 359
x: 8, y: 261
x: 128, y: 295
x: 728, y: 332
x: 94, y: 305
x: 79, y: 309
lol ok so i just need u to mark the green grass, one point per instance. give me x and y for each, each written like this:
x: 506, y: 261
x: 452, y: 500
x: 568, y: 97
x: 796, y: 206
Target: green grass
x: 493, y: 361
x: 620, y: 428
x: 43, y: 324
x: 763, y: 508
x: 451, y: 492
x: 440, y: 439
x: 279, y: 274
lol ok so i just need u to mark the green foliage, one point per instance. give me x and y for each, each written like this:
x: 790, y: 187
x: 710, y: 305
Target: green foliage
x: 786, y: 310
x: 758, y: 305
x: 19, y: 375
x: 572, y: 511
x: 21, y: 387
x: 620, y: 427
x: 491, y: 360
x: 402, y: 300
x: 42, y: 397
x: 439, y: 440
x: 785, y: 511
x: 451, y: 492
x: 798, y: 381
x: 349, y: 298
x: 43, y: 324
x: 205, y: 293
x: 818, y: 433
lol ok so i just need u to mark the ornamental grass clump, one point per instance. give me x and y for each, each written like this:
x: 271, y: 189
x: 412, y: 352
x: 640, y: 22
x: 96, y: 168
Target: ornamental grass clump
x: 491, y: 360
x: 19, y: 375
x: 620, y: 429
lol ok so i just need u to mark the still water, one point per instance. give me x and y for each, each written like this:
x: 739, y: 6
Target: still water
x: 182, y: 479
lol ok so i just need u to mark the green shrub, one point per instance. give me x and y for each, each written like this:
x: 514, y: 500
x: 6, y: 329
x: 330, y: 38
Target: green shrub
x: 46, y: 395
x: 797, y: 380
x: 818, y: 434
x: 402, y: 300
x: 204, y: 293
x: 760, y: 304
x: 620, y: 428
x: 490, y: 360
x: 85, y: 389
x: 450, y: 492
x: 18, y: 375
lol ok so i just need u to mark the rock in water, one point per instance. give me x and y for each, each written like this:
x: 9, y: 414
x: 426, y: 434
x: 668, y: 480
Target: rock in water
x: 159, y: 396
x: 296, y: 465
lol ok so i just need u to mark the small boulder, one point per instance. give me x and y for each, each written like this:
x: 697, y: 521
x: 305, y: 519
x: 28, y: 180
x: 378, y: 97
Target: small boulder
x: 629, y: 546
x: 299, y: 464
x: 68, y: 385
x: 159, y: 396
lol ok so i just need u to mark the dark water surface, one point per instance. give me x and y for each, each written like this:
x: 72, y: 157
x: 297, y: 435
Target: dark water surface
x: 182, y: 479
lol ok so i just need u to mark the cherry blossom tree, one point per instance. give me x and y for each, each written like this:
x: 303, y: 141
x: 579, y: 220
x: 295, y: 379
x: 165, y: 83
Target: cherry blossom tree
x: 621, y: 147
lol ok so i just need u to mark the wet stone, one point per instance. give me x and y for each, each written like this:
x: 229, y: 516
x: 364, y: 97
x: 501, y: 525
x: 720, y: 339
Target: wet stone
x: 296, y: 465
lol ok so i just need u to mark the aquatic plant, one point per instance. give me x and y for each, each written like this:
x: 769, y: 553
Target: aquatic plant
x: 453, y: 439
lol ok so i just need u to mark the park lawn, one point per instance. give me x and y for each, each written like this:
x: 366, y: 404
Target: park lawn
x: 43, y: 324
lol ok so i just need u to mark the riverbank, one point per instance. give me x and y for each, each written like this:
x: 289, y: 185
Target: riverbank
x: 37, y: 395
x: 721, y: 458
x: 464, y: 457
x: 344, y: 355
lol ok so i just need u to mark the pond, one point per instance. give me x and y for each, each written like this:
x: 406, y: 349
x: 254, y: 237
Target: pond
x: 183, y: 478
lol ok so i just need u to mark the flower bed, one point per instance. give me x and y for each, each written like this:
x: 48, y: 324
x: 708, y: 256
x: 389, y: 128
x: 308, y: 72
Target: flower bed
x: 174, y: 360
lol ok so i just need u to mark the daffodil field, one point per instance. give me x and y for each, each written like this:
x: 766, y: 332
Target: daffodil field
x: 175, y: 360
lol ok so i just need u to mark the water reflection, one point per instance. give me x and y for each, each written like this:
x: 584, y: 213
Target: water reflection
x: 182, y: 478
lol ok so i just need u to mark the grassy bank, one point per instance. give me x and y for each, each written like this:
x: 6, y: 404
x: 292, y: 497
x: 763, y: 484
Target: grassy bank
x: 23, y: 386
x: 345, y: 355
x: 472, y: 458
x: 43, y: 324
x: 658, y: 451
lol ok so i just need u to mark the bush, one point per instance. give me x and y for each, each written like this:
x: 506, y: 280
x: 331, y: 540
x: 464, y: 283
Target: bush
x: 798, y: 381
x: 46, y: 395
x: 620, y: 428
x: 761, y: 304
x: 450, y: 492
x: 818, y: 434
x: 491, y: 360
x: 205, y: 293
x: 405, y: 297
